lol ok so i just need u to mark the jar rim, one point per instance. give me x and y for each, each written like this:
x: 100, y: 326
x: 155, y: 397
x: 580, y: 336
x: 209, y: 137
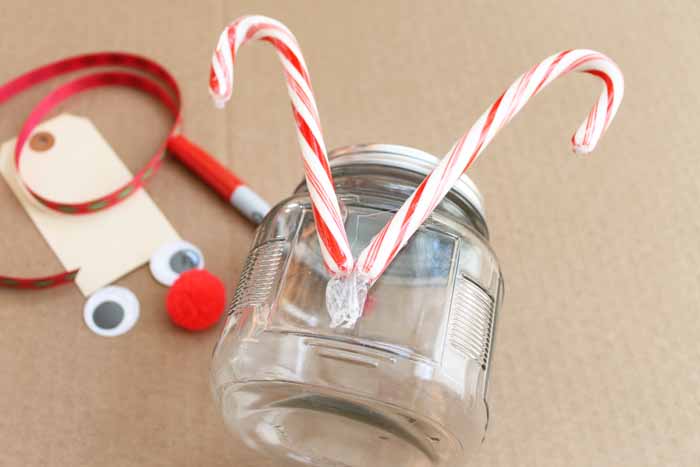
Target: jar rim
x: 406, y: 158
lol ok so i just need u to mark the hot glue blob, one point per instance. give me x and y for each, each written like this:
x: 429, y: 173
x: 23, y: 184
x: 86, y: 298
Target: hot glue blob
x: 111, y: 311
x: 172, y: 259
x: 345, y: 299
x: 196, y: 300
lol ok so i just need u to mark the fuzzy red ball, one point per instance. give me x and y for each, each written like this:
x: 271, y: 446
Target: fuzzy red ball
x: 196, y: 300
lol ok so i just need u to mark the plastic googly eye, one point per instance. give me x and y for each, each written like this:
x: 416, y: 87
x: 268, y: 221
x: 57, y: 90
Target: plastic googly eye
x: 172, y: 259
x: 111, y: 311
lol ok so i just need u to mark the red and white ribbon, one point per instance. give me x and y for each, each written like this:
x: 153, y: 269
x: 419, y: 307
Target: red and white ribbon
x: 144, y: 75
x: 135, y: 72
x: 389, y: 241
x: 329, y: 221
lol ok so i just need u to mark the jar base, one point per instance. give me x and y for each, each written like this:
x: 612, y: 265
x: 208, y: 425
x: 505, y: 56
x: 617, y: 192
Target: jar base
x: 318, y: 426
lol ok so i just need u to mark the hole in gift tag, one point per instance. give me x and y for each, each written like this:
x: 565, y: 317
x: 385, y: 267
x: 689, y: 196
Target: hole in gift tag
x: 42, y: 141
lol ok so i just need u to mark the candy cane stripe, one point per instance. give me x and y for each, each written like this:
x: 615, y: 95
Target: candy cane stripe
x: 302, y: 88
x: 389, y: 241
x: 330, y: 228
x: 310, y: 131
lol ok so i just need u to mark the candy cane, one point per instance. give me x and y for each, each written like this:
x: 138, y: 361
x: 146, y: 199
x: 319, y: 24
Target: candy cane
x: 347, y: 289
x: 335, y: 247
x: 389, y: 241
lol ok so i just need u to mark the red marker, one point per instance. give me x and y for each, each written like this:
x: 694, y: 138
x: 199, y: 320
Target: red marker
x: 219, y: 178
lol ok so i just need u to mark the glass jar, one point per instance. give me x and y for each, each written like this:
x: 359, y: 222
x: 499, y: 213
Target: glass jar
x: 407, y: 385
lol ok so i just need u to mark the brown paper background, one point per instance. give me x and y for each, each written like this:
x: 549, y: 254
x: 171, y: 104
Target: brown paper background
x: 598, y: 342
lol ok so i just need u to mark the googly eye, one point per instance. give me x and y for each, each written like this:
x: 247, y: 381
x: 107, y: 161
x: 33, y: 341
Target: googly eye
x: 172, y: 259
x: 111, y: 311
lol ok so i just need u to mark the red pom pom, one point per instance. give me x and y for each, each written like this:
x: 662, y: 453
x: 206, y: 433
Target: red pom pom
x: 196, y: 300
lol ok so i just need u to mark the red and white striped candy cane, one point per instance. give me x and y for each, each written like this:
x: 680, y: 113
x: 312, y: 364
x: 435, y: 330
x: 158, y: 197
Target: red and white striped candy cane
x: 334, y: 243
x: 389, y: 241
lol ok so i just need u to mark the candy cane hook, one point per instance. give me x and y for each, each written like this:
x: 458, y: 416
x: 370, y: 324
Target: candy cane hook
x: 333, y: 240
x: 389, y: 241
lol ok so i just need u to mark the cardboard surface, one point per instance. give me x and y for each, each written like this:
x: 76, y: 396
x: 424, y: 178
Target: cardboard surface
x: 596, y: 361
x: 104, y: 246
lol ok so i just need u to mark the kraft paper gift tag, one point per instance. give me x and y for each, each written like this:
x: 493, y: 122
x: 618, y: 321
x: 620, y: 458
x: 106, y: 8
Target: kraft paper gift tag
x: 81, y: 165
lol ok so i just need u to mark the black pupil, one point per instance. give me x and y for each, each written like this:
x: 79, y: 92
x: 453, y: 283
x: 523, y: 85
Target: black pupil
x: 184, y: 260
x: 108, y: 315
